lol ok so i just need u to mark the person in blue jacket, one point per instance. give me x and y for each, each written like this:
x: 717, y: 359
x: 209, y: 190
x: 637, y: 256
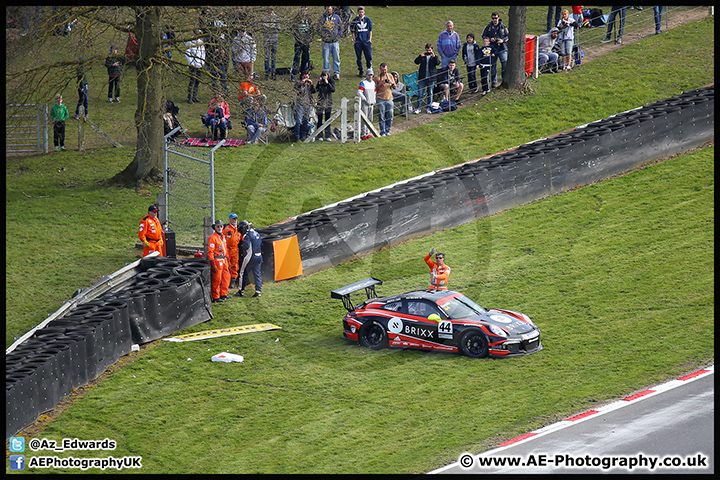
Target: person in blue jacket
x: 252, y: 259
x: 448, y: 44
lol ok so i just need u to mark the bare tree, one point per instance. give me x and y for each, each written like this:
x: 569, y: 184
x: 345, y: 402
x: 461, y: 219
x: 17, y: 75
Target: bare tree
x: 516, y: 78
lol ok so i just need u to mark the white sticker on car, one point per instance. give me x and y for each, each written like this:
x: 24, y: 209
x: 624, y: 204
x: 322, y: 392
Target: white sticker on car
x: 395, y: 325
x: 445, y: 329
x: 502, y: 318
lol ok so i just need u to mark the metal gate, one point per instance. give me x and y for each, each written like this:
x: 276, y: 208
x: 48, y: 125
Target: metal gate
x: 189, y: 186
x: 26, y: 128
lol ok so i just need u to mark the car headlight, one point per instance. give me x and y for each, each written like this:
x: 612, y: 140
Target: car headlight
x: 497, y: 331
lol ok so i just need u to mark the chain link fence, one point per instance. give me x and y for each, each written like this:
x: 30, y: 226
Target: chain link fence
x: 189, y: 186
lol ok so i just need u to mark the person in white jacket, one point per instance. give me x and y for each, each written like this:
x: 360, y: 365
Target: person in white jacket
x: 195, y: 55
x: 366, y: 92
x: 244, y: 53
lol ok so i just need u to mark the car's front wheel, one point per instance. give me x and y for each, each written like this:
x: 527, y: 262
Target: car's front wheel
x: 373, y: 335
x: 474, y: 344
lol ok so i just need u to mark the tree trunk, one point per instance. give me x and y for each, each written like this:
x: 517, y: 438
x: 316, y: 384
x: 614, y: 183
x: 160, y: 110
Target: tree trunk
x: 147, y: 166
x: 516, y: 49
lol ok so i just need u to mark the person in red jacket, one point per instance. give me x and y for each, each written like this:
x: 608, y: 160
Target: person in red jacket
x: 150, y: 232
x: 439, y: 272
x: 219, y: 263
x: 233, y: 238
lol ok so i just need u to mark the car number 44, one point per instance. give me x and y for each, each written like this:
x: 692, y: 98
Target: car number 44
x: 445, y: 329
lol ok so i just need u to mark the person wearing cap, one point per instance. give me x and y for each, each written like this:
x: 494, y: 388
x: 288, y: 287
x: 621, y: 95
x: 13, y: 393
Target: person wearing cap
x: 439, y: 272
x: 362, y: 39
x: 233, y: 239
x: 546, y: 42
x: 366, y: 92
x: 252, y: 260
x: 219, y: 263
x: 150, y: 232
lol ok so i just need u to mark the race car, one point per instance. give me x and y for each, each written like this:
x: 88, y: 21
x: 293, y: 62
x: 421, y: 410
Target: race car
x: 442, y: 320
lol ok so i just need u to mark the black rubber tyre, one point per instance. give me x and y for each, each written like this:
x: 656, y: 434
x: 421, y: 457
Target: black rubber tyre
x: 373, y: 335
x: 474, y: 344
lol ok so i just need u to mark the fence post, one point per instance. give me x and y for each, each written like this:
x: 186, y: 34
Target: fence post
x: 207, y: 231
x: 356, y: 121
x: 45, y: 127
x: 81, y: 129
x: 343, y: 120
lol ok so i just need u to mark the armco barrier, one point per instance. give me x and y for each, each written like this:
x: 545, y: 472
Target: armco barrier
x: 453, y: 196
x: 161, y: 297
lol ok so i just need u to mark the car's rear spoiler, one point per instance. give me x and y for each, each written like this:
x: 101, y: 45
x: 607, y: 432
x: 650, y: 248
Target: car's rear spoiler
x: 343, y: 293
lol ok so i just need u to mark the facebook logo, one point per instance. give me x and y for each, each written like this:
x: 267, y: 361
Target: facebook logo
x: 17, y: 444
x: 17, y: 462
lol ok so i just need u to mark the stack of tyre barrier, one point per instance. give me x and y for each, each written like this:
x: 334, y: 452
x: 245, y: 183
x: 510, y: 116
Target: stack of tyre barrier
x: 166, y: 296
x: 464, y: 193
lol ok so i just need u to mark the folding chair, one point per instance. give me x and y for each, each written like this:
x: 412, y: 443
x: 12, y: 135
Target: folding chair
x: 285, y: 119
x: 411, y: 87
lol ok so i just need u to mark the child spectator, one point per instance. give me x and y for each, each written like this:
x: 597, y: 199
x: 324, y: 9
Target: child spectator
x: 59, y: 113
x: 451, y: 81
x: 366, y: 92
x: 113, y: 65
x: 566, y: 26
x: 471, y: 55
x: 486, y: 60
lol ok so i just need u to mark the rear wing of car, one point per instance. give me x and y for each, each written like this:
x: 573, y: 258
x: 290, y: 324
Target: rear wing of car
x: 343, y: 293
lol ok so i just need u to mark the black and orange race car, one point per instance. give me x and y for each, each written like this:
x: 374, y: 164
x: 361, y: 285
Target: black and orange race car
x: 443, y: 320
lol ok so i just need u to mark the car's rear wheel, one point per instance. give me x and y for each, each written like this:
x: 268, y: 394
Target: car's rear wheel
x: 474, y: 344
x: 373, y: 335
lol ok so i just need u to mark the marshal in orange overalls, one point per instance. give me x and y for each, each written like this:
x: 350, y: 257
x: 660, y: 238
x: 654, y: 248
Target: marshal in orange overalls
x: 233, y: 238
x: 150, y: 232
x: 217, y: 254
x: 439, y: 273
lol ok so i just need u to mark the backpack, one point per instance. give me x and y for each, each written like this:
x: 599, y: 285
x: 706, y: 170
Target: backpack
x: 448, y: 106
x: 596, y: 17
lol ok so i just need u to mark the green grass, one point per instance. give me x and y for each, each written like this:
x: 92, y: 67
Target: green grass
x: 610, y: 273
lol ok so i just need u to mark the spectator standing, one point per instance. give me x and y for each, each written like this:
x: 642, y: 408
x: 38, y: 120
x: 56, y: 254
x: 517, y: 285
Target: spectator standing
x: 657, y: 13
x: 82, y: 89
x: 195, y: 56
x: 367, y: 93
x: 448, y: 44
x: 233, y: 239
x: 113, y: 65
x: 362, y: 39
x: 427, y: 72
x: 256, y: 121
x: 546, y: 42
x: 304, y: 91
x: 330, y: 28
x: 451, y: 82
x: 577, y: 14
x: 271, y: 31
x: 614, y: 11
x: 550, y: 22
x: 59, y: 113
x: 487, y: 57
x: 498, y: 34
x: 303, y: 33
x: 217, y: 57
x: 325, y: 88
x: 252, y: 261
x: 150, y: 232
x: 566, y: 25
x: 439, y: 271
x: 471, y: 55
x: 167, y: 47
x: 219, y: 263
x: 384, y: 84
x: 244, y: 52
x: 400, y: 95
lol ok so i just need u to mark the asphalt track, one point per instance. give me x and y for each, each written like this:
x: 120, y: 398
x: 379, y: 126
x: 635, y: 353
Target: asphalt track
x: 672, y: 422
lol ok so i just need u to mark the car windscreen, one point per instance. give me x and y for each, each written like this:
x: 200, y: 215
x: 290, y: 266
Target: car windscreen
x: 461, y: 307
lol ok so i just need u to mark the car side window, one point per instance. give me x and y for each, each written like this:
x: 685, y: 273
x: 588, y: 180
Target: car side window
x: 394, y: 306
x: 421, y: 308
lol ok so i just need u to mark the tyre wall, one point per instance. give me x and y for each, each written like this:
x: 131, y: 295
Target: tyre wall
x: 461, y: 194
x: 166, y: 296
